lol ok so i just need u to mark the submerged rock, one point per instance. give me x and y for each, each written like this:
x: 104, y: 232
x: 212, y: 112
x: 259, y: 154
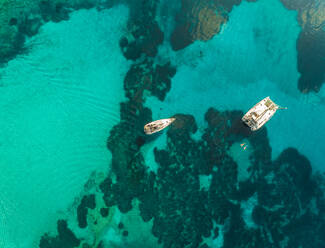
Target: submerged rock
x: 88, y: 201
x: 147, y: 77
x: 65, y: 238
x: 200, y: 20
x: 145, y: 34
x: 310, y: 43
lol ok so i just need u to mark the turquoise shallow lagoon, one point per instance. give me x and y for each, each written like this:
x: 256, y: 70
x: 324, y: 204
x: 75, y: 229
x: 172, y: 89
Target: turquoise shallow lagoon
x: 77, y: 170
x: 58, y: 103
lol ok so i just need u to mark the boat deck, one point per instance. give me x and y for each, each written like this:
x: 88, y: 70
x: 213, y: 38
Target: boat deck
x: 262, y: 112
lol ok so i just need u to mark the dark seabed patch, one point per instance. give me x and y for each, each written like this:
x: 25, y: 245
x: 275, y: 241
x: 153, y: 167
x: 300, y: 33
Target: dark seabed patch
x: 104, y: 212
x: 22, y: 19
x: 88, y: 201
x: 200, y: 20
x: 310, y: 43
x: 64, y: 239
x: 145, y: 32
x: 184, y: 214
x: 144, y: 77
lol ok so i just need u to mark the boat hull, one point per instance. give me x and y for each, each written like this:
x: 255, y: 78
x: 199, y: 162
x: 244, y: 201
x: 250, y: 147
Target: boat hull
x: 158, y: 125
x: 261, y: 113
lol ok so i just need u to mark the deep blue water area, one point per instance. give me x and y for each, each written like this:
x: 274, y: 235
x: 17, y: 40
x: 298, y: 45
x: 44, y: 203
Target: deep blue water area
x: 80, y: 79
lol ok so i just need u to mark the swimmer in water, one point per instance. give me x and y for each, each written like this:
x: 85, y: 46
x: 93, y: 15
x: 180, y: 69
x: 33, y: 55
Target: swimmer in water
x: 244, y: 146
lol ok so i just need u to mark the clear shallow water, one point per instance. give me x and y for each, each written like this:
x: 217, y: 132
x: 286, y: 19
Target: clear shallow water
x: 61, y: 120
x: 58, y: 103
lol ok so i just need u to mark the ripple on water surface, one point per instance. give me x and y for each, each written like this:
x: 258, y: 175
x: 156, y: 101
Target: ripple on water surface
x: 57, y: 105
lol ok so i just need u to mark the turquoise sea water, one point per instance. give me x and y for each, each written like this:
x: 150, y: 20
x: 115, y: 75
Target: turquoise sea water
x: 58, y: 104
x: 78, y: 171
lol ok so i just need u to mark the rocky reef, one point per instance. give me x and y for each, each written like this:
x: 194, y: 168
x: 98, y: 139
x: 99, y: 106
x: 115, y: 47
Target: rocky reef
x: 185, y: 214
x: 65, y: 237
x: 145, y: 34
x: 200, y: 20
x: 88, y: 201
x: 310, y: 43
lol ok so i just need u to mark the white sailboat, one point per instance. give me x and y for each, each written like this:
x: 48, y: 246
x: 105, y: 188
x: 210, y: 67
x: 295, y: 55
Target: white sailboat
x: 261, y: 113
x: 158, y: 125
